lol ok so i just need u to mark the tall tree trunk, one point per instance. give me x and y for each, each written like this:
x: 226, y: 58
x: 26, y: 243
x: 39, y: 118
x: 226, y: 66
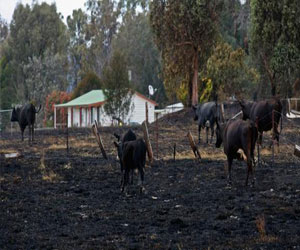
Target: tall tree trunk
x: 270, y: 74
x: 195, y: 77
x: 190, y: 87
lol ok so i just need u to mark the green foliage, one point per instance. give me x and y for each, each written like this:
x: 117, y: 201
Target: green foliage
x: 229, y: 72
x: 101, y: 29
x: 3, y: 30
x: 206, y: 90
x: 36, y: 56
x: 77, y: 28
x: 185, y: 32
x: 135, y: 40
x: 117, y: 87
x: 44, y: 74
x: 90, y: 82
x: 276, y: 42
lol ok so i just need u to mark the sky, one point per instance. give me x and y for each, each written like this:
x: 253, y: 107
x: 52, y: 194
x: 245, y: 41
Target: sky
x: 63, y: 6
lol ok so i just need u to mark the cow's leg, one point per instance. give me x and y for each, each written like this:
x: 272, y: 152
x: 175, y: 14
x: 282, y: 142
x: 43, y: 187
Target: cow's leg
x: 258, y: 155
x: 132, y: 172
x: 260, y: 138
x: 32, y: 133
x: 207, y: 128
x: 229, y: 163
x: 22, y: 132
x: 199, y: 132
x: 122, y: 179
x: 141, y: 170
x: 212, y: 128
x: 29, y: 132
x: 126, y: 180
x: 250, y: 170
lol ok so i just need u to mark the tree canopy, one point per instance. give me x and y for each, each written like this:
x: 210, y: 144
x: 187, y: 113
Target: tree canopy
x: 185, y: 32
x: 275, y: 42
x: 117, y: 88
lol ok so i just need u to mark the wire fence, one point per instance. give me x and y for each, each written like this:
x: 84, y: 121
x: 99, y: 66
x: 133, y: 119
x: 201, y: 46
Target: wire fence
x: 168, y: 134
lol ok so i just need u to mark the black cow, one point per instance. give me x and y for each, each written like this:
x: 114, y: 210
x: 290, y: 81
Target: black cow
x: 235, y: 135
x: 207, y: 114
x: 128, y: 136
x: 262, y: 113
x: 134, y: 157
x: 25, y: 116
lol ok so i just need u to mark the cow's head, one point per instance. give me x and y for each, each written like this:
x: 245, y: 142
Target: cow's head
x: 246, y: 108
x: 219, y: 134
x: 118, y: 145
x: 15, y: 114
x: 117, y: 136
x: 195, y: 108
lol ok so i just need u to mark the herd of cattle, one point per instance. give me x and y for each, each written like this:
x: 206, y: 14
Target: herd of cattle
x: 235, y: 134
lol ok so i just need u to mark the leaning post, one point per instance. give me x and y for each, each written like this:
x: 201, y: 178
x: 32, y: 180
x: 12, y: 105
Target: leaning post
x: 99, y: 140
x: 147, y: 140
x: 193, y: 145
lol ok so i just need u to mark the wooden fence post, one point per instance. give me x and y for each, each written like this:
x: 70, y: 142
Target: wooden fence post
x: 147, y: 140
x: 146, y: 109
x: 297, y: 150
x: 193, y: 145
x: 99, y: 140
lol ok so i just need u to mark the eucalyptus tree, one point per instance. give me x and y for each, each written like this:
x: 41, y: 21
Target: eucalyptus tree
x: 77, y: 29
x: 135, y: 40
x: 117, y: 88
x: 185, y: 32
x: 275, y: 41
x: 102, y: 27
x: 28, y: 43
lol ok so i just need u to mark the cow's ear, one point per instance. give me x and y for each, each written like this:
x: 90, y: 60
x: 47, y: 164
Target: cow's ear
x: 117, y: 136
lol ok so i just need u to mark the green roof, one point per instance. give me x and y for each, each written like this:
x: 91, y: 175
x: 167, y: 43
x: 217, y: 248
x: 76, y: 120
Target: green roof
x: 87, y: 99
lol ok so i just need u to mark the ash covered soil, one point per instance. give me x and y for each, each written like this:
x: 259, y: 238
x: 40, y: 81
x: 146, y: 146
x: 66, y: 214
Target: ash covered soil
x: 51, y: 199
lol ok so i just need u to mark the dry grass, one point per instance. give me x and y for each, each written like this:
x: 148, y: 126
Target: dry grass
x: 56, y: 146
x: 47, y: 175
x: 50, y: 176
x: 261, y: 228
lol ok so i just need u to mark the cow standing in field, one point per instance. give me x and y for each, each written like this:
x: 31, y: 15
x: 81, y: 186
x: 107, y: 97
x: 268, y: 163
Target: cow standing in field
x: 134, y: 157
x: 266, y: 115
x: 207, y: 115
x: 128, y: 136
x: 25, y: 116
x: 235, y: 135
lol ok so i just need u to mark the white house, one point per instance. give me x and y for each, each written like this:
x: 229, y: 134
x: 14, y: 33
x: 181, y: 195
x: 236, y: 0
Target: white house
x: 84, y: 110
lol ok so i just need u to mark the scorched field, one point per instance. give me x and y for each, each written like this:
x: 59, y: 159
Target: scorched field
x: 54, y: 199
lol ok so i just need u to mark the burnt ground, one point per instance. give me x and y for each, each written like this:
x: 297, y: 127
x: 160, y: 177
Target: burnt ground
x: 51, y: 199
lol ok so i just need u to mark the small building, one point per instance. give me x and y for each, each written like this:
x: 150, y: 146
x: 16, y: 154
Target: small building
x: 84, y: 110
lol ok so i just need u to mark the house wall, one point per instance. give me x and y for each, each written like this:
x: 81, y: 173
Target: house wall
x: 138, y: 114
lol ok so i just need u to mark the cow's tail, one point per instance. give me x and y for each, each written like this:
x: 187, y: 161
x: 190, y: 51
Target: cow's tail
x: 39, y: 109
